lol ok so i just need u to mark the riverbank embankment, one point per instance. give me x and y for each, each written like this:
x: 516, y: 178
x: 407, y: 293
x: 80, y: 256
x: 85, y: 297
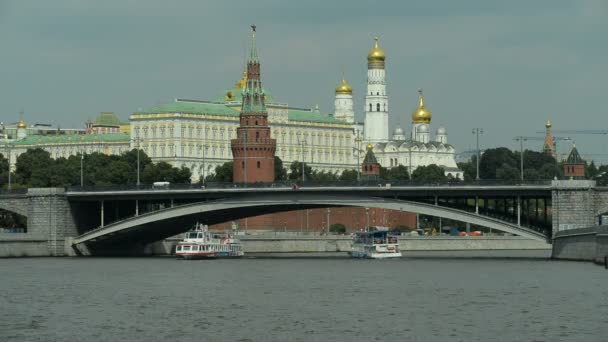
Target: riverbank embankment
x: 583, y: 244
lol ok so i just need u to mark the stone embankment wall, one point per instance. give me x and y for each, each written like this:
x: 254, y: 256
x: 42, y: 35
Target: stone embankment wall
x: 584, y: 244
x: 315, y: 244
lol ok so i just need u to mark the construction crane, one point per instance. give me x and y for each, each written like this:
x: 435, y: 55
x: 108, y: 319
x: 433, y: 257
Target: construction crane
x: 537, y: 138
x: 580, y: 131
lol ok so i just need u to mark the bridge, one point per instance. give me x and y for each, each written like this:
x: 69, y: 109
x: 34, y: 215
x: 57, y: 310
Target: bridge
x: 102, y: 220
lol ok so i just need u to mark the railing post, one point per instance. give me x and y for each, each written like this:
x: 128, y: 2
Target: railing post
x: 518, y: 210
x: 102, y: 212
x: 477, y: 205
x: 136, y: 207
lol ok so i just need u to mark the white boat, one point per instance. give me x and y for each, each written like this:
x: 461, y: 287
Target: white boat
x: 382, y: 244
x: 200, y: 243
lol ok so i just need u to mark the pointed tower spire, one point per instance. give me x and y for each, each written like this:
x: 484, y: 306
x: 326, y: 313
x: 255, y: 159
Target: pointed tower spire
x: 548, y: 147
x: 253, y: 53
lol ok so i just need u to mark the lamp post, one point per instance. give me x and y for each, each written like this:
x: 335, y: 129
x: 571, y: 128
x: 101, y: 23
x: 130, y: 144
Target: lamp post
x: 8, y: 156
x: 367, y: 214
x: 203, y: 148
x: 521, y: 140
x: 138, y: 140
x: 302, y: 142
x: 358, y: 140
x: 328, y: 211
x: 81, y: 170
x: 477, y: 132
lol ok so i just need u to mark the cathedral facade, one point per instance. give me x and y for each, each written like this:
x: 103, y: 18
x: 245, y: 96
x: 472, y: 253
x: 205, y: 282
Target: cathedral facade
x: 419, y: 148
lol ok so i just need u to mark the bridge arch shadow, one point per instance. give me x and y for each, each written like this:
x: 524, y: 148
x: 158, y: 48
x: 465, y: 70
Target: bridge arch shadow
x: 155, y: 226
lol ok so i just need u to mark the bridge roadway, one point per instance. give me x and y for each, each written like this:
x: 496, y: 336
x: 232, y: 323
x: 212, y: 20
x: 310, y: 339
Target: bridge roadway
x: 212, y: 206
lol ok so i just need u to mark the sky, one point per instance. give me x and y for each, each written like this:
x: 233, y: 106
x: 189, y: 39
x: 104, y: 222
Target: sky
x: 503, y: 66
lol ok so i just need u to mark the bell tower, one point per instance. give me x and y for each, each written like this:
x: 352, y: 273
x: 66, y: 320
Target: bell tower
x: 253, y: 149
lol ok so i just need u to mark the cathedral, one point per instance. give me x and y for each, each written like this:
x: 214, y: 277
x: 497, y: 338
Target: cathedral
x: 419, y: 149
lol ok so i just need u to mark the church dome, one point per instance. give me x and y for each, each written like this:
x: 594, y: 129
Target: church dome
x: 398, y: 131
x: 375, y: 54
x: 21, y: 124
x: 369, y: 147
x: 441, y: 131
x: 423, y: 128
x: 421, y: 114
x: 344, y: 88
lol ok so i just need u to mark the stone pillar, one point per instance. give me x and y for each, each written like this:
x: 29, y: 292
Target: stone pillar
x: 573, y: 204
x: 50, y: 217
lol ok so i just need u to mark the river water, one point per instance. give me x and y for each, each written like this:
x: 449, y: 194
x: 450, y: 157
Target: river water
x: 436, y: 298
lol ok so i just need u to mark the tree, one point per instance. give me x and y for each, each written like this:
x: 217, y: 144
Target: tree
x: 494, y: 159
x: 337, y: 228
x: 223, y: 173
x: 32, y: 168
x: 396, y: 173
x: 429, y: 174
x: 469, y: 168
x: 507, y: 172
x: 591, y: 170
x: 295, y: 171
x: 3, y: 171
x: 323, y: 176
x: 348, y: 176
x: 280, y: 173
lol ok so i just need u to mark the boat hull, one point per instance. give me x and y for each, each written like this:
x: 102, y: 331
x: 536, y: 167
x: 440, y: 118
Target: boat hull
x: 366, y: 255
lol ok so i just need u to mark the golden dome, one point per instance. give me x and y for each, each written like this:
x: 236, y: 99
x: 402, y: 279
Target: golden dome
x: 421, y: 114
x: 21, y: 124
x: 548, y: 124
x: 240, y: 84
x: 375, y: 54
x: 344, y: 88
x: 369, y: 147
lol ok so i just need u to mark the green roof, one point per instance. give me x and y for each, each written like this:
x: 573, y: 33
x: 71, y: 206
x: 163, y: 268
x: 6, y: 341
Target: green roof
x: 71, y: 138
x: 304, y: 115
x: 192, y: 107
x: 107, y: 119
x: 195, y: 107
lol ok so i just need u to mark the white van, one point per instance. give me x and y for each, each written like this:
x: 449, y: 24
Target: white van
x: 161, y: 185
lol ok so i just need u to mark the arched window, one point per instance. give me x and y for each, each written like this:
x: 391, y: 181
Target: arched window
x: 243, y: 163
x: 377, y: 107
x: 377, y: 93
x: 370, y: 107
x: 257, y: 134
x: 258, y: 164
x: 256, y: 122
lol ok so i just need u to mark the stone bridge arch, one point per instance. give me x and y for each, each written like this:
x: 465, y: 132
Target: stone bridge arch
x: 16, y: 205
x: 164, y: 223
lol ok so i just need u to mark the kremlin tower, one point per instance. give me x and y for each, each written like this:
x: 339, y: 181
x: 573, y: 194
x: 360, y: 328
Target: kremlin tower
x: 344, y: 102
x: 421, y: 118
x: 253, y: 150
x: 548, y: 147
x: 376, y: 100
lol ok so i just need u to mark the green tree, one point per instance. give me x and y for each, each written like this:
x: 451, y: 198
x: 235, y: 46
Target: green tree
x: 223, y: 173
x: 494, y: 159
x: 295, y: 171
x: 348, y: 176
x: 323, y: 176
x: 591, y: 170
x: 429, y: 174
x: 507, y: 172
x: 469, y: 168
x: 280, y: 173
x: 337, y: 228
x: 396, y: 173
x: 3, y: 171
x: 32, y: 168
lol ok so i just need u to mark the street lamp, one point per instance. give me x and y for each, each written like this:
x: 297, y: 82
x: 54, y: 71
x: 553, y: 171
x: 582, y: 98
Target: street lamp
x: 477, y: 132
x: 358, y: 140
x: 203, y: 148
x: 521, y: 140
x: 138, y: 140
x: 302, y: 142
x: 367, y: 214
x: 81, y: 169
x: 328, y: 211
x: 8, y: 156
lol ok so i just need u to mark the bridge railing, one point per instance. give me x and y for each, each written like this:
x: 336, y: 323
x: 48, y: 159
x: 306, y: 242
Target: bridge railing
x: 18, y: 191
x: 296, y: 183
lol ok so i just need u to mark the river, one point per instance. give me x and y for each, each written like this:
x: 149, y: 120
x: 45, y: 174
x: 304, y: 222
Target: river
x: 417, y: 298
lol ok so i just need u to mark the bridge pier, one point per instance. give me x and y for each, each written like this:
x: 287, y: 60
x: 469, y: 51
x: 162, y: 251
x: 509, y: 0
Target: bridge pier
x: 573, y: 205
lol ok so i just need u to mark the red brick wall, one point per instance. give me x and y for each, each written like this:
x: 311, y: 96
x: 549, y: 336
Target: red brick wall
x: 353, y: 218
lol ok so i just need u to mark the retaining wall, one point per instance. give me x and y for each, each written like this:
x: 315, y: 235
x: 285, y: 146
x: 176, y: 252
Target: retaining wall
x: 583, y: 244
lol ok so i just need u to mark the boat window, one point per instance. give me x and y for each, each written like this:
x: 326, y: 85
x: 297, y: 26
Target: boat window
x: 192, y: 236
x: 200, y: 236
x: 186, y: 248
x: 179, y: 248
